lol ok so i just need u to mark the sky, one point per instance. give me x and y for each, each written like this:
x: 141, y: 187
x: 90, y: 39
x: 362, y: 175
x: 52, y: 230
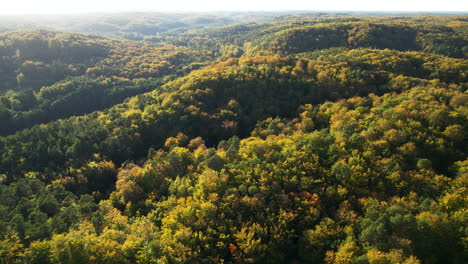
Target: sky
x: 100, y: 6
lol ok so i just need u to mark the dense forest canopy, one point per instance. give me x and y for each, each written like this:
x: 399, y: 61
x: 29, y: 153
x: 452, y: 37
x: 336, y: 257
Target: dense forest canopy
x: 234, y: 138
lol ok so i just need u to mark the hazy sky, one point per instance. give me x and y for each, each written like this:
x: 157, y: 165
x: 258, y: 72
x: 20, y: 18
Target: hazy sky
x: 87, y: 6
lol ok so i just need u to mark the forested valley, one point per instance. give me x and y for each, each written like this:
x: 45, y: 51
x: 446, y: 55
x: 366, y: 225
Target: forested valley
x: 237, y: 138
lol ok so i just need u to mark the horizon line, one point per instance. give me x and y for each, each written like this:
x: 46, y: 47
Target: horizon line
x: 234, y: 11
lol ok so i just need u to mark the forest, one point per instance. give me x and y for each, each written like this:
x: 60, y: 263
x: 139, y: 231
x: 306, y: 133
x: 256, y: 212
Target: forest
x: 235, y: 138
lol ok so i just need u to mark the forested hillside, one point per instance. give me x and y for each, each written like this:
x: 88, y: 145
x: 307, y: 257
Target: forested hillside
x: 275, y: 139
x: 48, y: 75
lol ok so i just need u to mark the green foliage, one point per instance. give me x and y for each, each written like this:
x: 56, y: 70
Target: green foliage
x: 214, y: 146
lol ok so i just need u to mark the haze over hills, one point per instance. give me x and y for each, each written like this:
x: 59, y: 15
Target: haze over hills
x: 262, y: 137
x: 117, y: 6
x: 145, y: 23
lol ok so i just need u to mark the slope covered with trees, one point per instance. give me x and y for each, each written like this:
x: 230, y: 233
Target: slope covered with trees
x: 291, y: 141
x: 49, y: 75
x: 366, y: 34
